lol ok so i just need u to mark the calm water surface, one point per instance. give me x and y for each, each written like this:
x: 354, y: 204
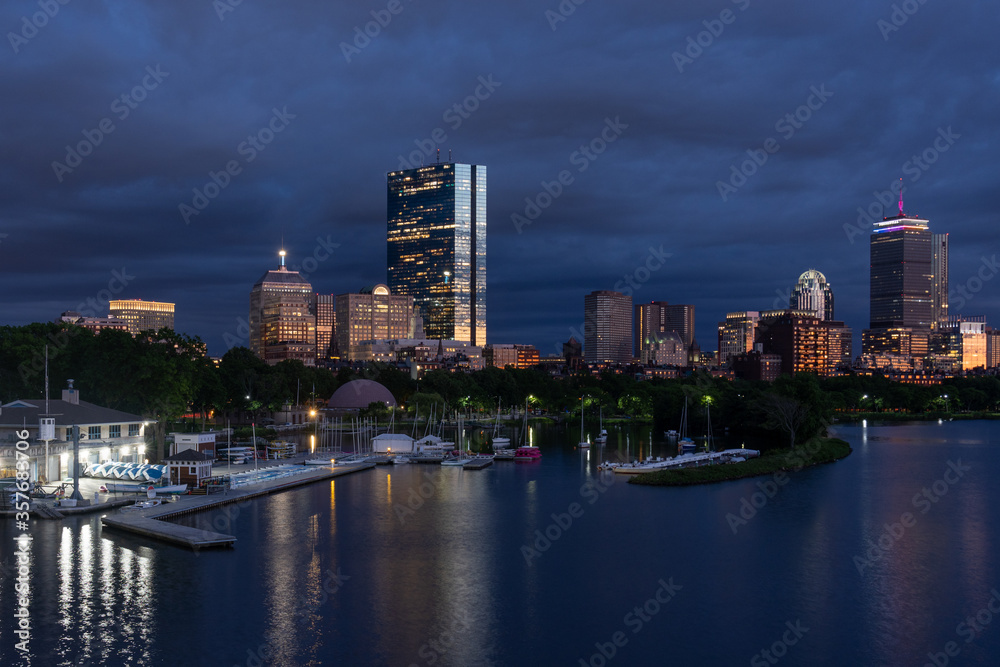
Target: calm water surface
x: 423, y: 565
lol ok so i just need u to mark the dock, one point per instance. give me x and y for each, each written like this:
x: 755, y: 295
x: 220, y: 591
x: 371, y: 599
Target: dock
x: 153, y: 522
x: 478, y: 463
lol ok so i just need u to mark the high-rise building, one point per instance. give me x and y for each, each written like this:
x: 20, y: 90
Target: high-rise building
x: 799, y: 337
x: 963, y: 344
x: 939, y: 280
x: 437, y: 247
x: 607, y: 328
x: 652, y: 320
x: 142, y: 315
x: 282, y: 321
x: 736, y: 334
x: 901, y: 276
x: 841, y: 344
x: 373, y: 314
x: 325, y: 306
x: 812, y: 292
x: 992, y: 347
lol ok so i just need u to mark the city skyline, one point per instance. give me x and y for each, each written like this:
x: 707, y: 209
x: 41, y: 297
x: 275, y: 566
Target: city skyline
x: 599, y: 171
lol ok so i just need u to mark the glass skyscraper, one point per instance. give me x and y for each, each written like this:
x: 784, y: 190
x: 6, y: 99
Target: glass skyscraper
x: 437, y: 247
x: 901, y: 275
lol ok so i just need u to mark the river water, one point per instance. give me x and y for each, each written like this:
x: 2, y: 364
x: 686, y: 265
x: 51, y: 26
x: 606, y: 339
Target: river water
x: 888, y: 557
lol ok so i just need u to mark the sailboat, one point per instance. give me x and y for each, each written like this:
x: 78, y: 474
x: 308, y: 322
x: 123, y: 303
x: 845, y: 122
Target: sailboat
x: 602, y: 436
x: 499, y: 441
x: 583, y: 442
x: 460, y: 460
x: 685, y: 443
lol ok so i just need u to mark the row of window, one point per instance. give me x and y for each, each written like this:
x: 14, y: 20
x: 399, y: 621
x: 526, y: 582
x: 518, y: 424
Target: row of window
x: 94, y: 432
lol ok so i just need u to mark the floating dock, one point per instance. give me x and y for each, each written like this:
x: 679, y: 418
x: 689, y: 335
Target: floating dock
x: 152, y: 522
x: 478, y: 463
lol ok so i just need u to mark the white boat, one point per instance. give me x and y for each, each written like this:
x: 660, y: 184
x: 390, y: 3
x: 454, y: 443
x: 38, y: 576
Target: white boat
x: 173, y: 489
x: 454, y: 462
x: 142, y: 505
x: 499, y: 441
x: 321, y: 462
x: 400, y: 460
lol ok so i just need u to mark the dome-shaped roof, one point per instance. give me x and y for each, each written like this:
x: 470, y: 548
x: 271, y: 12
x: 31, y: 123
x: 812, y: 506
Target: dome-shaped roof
x: 358, y: 394
x: 812, y: 275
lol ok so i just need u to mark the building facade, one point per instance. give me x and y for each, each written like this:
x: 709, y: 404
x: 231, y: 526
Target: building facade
x: 436, y: 247
x: 142, y: 315
x: 652, y: 320
x: 812, y: 293
x: 939, y: 280
x: 373, y: 314
x: 901, y: 283
x: 607, y: 328
x: 668, y: 350
x: 282, y: 320
x: 736, y: 334
x: 94, y: 324
x: 797, y: 336
x: 325, y: 307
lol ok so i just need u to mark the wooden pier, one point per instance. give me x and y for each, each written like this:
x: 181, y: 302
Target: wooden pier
x: 152, y: 522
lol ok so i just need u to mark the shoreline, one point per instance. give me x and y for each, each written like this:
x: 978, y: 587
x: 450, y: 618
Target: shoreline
x: 815, y: 452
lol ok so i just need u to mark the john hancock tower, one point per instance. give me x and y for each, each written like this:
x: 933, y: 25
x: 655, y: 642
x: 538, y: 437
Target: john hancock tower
x: 437, y: 247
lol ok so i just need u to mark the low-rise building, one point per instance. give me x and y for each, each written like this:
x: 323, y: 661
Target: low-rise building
x: 104, y: 435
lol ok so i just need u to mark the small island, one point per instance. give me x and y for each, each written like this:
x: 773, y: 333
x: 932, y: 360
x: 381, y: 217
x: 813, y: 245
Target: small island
x: 778, y: 461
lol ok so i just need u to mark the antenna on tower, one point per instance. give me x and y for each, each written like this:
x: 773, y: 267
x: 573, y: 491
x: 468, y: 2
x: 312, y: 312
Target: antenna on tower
x: 900, y: 198
x: 449, y: 156
x: 439, y: 156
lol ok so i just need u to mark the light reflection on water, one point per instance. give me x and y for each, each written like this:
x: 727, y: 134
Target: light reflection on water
x: 433, y: 569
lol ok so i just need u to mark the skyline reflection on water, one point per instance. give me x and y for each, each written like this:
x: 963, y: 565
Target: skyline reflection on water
x: 422, y: 565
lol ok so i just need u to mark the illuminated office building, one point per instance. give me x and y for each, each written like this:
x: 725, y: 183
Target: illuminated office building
x: 282, y: 321
x: 812, y: 292
x: 141, y: 315
x: 736, y: 334
x: 437, y: 247
x: 325, y: 306
x: 373, y: 314
x: 901, y: 285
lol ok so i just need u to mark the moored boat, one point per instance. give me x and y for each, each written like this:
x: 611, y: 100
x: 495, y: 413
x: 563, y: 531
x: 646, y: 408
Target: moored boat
x: 527, y: 454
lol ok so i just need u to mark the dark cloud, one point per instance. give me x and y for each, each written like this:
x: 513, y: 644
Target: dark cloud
x: 322, y: 179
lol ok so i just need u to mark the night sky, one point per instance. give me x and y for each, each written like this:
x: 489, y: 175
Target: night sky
x: 665, y: 98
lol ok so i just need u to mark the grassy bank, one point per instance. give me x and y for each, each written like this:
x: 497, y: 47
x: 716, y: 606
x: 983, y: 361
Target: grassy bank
x: 815, y: 452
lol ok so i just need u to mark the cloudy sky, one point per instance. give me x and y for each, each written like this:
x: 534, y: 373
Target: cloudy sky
x: 117, y: 115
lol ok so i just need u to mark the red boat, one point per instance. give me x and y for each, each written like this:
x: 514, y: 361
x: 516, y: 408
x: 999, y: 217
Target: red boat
x: 527, y: 454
